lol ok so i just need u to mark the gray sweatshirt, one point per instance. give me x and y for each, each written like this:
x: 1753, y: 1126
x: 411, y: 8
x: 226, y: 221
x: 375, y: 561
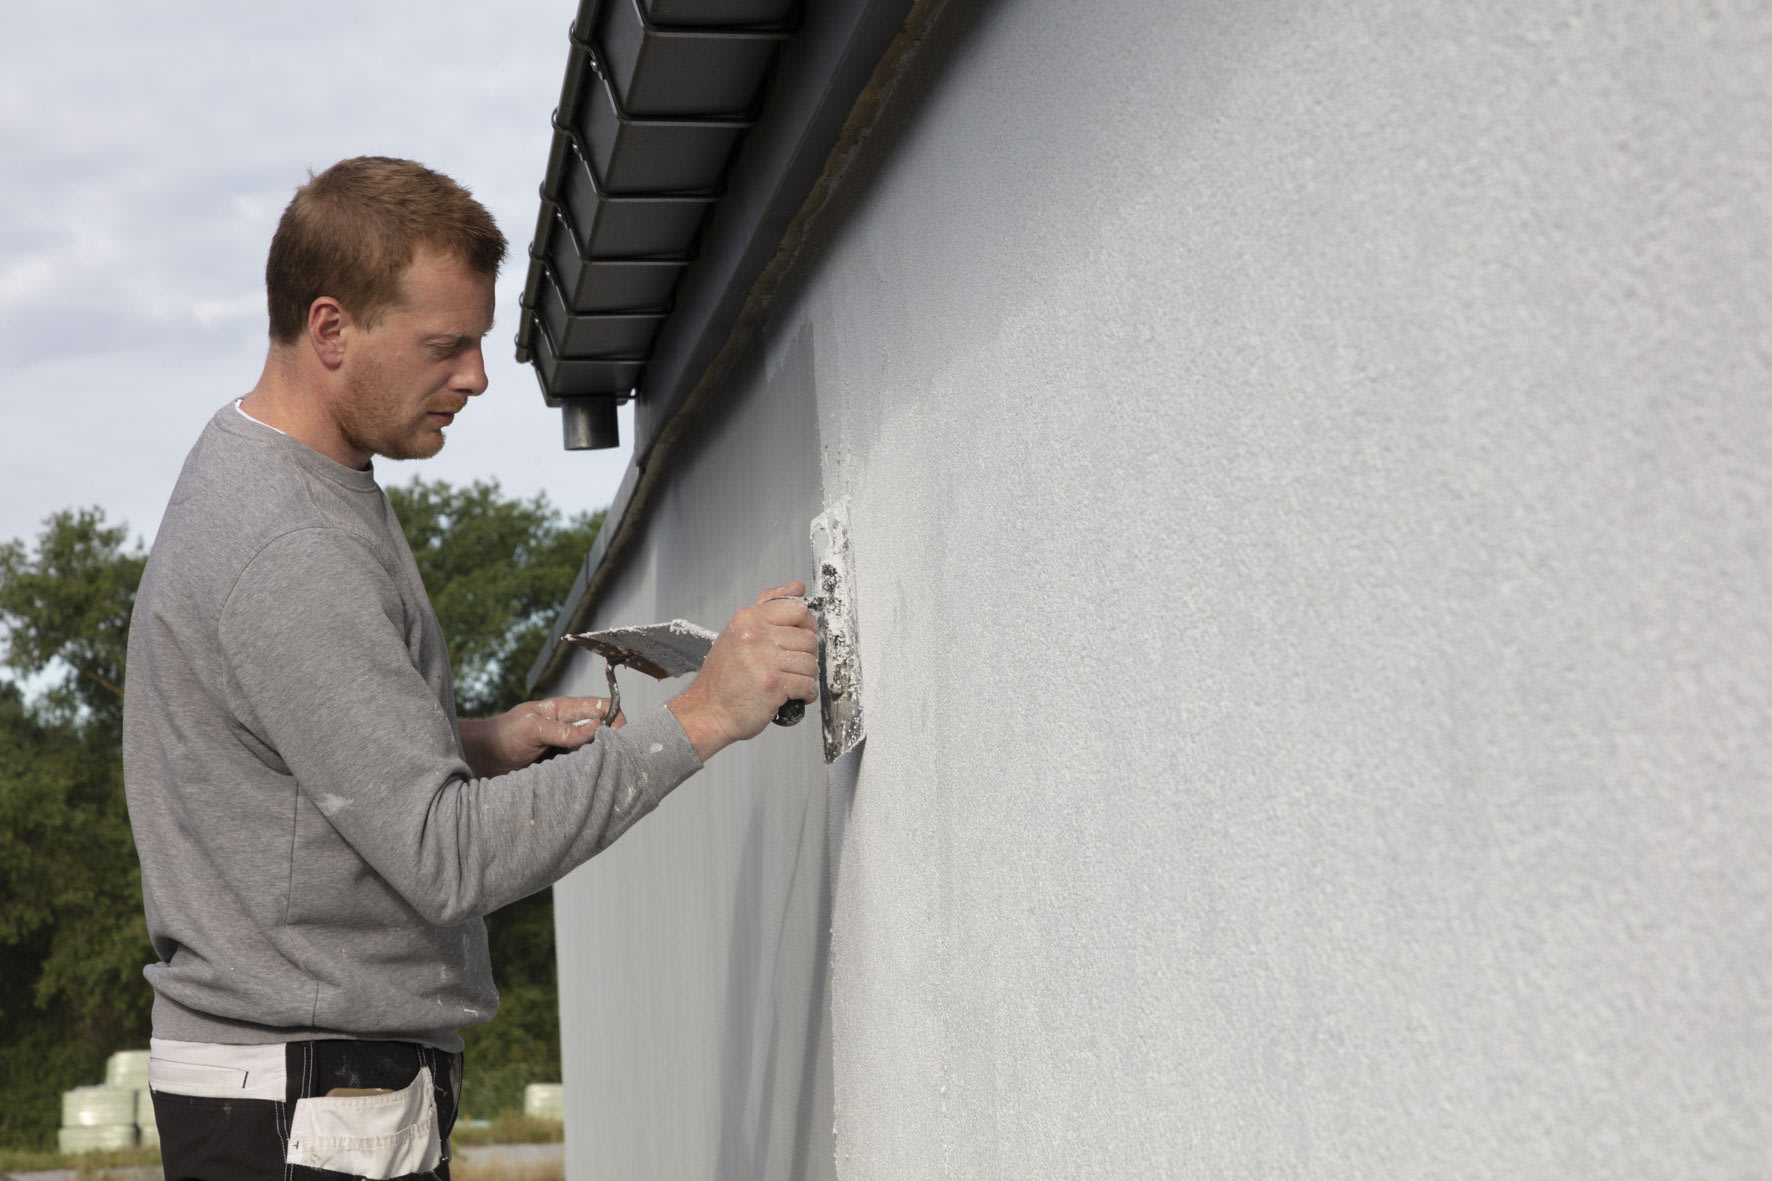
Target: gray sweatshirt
x: 316, y: 856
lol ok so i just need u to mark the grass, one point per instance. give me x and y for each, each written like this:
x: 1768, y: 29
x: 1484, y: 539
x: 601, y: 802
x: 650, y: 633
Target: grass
x: 511, y: 1127
x: 86, y: 1164
x: 462, y: 1168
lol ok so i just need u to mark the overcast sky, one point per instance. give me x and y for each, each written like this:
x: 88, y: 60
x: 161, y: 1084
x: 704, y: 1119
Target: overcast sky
x: 147, y: 148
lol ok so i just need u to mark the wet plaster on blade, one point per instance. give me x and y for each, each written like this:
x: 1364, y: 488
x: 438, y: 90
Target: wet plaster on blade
x: 656, y: 649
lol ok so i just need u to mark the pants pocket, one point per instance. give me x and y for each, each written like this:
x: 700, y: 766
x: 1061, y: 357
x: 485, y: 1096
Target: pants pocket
x: 373, y: 1136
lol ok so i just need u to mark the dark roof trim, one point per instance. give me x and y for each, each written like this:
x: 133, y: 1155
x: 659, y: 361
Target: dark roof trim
x: 828, y: 84
x: 821, y: 73
x: 648, y: 119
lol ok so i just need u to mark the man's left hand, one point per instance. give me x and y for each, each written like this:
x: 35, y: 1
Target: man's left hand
x: 518, y: 737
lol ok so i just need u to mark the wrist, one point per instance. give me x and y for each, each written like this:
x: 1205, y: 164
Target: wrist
x: 700, y: 725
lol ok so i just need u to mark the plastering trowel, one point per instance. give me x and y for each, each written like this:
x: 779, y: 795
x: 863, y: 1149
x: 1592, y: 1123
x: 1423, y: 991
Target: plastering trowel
x: 677, y: 647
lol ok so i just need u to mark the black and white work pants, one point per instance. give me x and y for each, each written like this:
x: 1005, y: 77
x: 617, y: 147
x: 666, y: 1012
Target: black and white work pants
x: 304, y: 1111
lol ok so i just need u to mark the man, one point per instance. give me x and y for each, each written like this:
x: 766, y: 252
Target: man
x: 319, y: 834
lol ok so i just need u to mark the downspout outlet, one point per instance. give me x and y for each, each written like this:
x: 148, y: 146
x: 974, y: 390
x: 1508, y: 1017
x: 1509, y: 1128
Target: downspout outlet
x: 590, y: 425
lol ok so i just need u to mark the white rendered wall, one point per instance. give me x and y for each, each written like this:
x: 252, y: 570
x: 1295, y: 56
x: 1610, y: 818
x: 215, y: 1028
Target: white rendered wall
x: 1310, y: 470
x: 694, y: 952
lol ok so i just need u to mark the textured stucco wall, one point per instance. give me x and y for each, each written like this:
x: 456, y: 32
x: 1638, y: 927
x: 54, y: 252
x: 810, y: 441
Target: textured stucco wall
x: 694, y: 953
x: 1310, y: 470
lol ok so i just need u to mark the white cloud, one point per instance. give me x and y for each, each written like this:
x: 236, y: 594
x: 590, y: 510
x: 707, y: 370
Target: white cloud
x: 211, y: 312
x: 146, y: 151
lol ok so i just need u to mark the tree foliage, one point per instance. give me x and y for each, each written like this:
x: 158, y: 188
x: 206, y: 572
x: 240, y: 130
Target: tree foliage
x: 66, y: 610
x: 497, y: 570
x: 72, y: 936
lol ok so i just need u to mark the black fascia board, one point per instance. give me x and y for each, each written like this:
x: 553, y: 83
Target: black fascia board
x: 822, y: 71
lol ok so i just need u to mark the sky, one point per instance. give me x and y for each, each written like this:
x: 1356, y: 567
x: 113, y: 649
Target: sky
x: 147, y: 148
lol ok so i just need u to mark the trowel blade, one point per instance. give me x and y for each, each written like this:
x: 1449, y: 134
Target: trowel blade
x: 839, y: 662
x: 657, y: 649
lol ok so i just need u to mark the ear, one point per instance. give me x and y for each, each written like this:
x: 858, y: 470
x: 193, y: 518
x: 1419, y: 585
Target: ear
x: 327, y: 322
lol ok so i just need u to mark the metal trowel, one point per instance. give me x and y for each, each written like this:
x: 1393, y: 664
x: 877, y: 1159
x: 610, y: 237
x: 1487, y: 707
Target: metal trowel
x: 677, y: 647
x: 839, y: 643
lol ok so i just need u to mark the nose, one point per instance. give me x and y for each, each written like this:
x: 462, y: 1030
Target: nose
x: 470, y: 378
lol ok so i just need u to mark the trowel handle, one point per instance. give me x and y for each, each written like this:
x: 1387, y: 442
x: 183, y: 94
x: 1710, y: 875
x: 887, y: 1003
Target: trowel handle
x: 794, y: 709
x: 614, y: 692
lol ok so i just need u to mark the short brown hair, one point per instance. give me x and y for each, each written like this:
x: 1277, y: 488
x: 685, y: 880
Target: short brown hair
x: 351, y: 231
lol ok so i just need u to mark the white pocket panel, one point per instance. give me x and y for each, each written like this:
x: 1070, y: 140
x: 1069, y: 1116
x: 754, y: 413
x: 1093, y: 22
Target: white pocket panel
x: 375, y: 1136
x: 217, y: 1071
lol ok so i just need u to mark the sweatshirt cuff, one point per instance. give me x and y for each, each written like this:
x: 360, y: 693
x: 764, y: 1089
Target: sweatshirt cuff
x: 656, y: 740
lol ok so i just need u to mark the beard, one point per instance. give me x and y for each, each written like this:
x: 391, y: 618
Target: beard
x: 373, y: 418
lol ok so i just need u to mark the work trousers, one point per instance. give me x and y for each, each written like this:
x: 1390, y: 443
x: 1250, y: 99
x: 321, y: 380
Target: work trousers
x: 351, y: 1109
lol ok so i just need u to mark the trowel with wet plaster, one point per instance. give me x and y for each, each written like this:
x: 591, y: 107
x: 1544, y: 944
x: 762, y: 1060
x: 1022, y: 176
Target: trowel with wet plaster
x: 677, y: 647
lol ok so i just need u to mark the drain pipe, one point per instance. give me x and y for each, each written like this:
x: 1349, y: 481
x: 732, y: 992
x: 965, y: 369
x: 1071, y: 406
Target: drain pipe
x: 590, y: 425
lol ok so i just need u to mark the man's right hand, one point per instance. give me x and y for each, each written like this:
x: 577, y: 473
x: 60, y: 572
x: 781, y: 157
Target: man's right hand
x: 767, y: 655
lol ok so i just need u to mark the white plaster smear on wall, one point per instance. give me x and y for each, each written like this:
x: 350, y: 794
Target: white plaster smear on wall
x: 1309, y: 475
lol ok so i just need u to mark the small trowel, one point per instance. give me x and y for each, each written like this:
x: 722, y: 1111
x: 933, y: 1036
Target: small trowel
x: 839, y: 644
x: 672, y: 649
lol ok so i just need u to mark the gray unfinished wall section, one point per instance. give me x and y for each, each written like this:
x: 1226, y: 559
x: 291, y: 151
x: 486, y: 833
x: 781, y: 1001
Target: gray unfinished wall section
x: 694, y: 953
x: 1309, y: 473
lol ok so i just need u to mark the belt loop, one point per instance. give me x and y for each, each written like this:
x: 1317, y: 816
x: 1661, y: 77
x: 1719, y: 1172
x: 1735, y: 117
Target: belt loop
x: 292, y: 1071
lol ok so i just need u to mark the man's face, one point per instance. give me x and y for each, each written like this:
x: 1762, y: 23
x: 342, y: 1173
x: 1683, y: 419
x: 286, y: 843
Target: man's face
x: 408, y: 376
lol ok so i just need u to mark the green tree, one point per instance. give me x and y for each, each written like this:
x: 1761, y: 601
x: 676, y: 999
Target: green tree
x: 72, y: 937
x: 66, y: 610
x: 497, y: 571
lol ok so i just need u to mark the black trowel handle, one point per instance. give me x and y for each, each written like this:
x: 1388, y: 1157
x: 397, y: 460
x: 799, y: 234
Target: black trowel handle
x: 794, y: 709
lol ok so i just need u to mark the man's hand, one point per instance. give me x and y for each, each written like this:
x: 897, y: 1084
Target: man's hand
x: 518, y: 737
x: 767, y: 655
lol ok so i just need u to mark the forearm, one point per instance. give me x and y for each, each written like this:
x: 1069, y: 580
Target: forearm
x: 332, y: 686
x: 483, y: 843
x: 476, y: 743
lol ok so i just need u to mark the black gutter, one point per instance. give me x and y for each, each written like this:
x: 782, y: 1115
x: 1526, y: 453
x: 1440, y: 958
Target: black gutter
x: 821, y: 73
x: 650, y: 114
x: 821, y: 100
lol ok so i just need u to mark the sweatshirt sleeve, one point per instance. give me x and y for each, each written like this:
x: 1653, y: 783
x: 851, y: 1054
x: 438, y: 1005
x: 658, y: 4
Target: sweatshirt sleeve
x: 317, y: 641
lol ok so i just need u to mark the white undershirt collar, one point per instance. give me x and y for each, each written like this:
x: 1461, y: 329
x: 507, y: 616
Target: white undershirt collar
x: 249, y: 418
